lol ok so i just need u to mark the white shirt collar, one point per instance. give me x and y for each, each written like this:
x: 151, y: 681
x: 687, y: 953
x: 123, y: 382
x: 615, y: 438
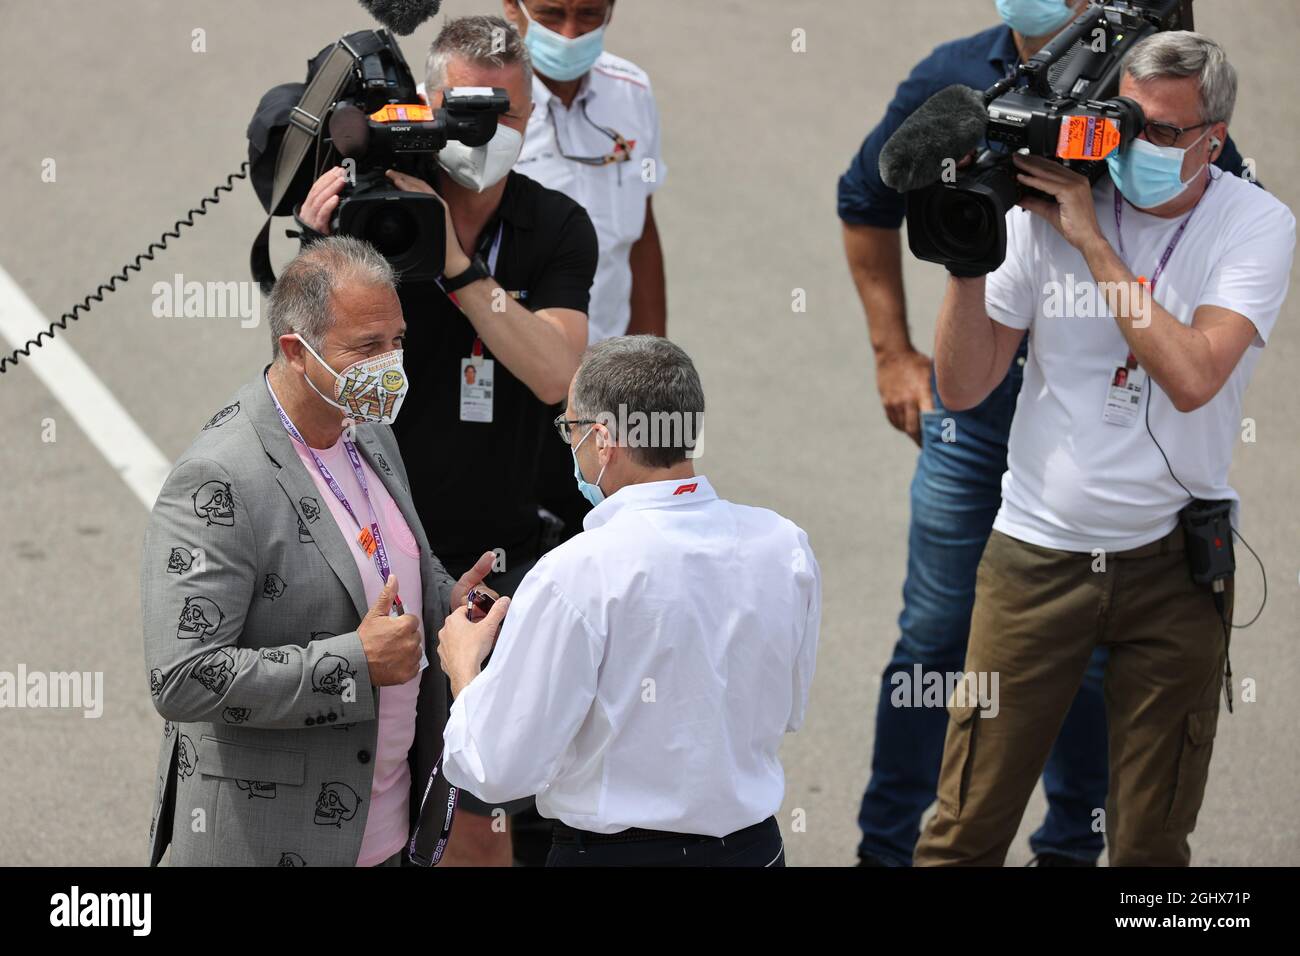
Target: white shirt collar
x: 542, y: 94
x: 650, y: 494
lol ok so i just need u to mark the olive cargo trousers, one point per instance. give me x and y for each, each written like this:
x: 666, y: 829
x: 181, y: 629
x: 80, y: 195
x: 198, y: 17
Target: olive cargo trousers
x: 1038, y: 615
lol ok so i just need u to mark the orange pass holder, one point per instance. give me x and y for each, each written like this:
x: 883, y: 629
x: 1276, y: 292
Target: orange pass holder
x: 1087, y: 137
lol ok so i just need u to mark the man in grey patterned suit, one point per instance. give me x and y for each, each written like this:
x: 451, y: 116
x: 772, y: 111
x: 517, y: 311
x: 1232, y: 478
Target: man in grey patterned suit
x: 290, y: 596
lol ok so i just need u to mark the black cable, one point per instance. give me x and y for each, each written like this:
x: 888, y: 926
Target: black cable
x: 1263, y: 575
x: 134, y: 266
x: 1221, y: 606
x: 1150, y: 393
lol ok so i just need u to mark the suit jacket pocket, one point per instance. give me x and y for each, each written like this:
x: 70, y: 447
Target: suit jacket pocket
x: 224, y: 758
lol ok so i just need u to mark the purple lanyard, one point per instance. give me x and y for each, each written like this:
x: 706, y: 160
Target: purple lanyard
x: 380, y: 553
x: 1173, y: 243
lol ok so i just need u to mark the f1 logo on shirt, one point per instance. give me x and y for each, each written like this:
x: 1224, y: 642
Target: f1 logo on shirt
x: 686, y: 489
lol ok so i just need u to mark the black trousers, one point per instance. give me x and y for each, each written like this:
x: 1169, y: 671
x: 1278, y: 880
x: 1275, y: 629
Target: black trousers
x: 759, y: 845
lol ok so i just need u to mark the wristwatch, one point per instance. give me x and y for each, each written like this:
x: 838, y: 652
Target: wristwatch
x: 477, y: 270
x: 306, y: 234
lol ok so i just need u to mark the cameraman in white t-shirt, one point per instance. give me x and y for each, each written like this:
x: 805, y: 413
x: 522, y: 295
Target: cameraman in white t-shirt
x: 1174, y: 274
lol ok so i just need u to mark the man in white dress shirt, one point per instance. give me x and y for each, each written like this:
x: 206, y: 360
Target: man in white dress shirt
x: 648, y: 668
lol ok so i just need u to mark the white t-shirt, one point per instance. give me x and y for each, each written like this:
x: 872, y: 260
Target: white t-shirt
x: 1075, y: 482
x: 616, y: 95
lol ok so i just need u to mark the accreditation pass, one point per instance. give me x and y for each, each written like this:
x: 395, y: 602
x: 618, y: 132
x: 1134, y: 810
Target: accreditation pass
x: 476, y: 376
x: 1124, y: 396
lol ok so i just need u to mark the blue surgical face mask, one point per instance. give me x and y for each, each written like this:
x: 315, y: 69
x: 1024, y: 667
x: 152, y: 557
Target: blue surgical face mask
x: 1148, y: 175
x: 558, y: 57
x: 586, y: 488
x: 1034, y: 18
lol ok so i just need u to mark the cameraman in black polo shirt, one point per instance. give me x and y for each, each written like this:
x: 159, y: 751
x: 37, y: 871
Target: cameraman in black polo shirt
x: 490, y: 347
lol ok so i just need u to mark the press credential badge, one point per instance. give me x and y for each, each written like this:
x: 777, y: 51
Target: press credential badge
x: 1124, y: 396
x: 476, y: 377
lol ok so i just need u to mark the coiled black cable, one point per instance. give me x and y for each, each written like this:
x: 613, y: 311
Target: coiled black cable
x: 134, y: 266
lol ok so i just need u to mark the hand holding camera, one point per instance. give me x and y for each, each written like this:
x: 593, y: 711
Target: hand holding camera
x: 455, y: 261
x: 1072, y: 214
x: 323, y: 200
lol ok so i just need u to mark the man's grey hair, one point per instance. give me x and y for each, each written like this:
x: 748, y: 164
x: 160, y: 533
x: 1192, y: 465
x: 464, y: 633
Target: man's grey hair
x: 1180, y: 53
x: 482, y: 40
x: 302, y: 300
x: 642, y: 378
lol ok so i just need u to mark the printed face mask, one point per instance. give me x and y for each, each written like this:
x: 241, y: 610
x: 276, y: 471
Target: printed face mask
x: 481, y: 167
x: 370, y: 391
x: 559, y: 57
x: 589, y: 490
x: 1034, y: 18
x: 1148, y: 175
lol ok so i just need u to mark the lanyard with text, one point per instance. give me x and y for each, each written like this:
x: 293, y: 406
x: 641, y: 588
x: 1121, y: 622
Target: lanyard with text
x: 1173, y: 243
x: 1128, y: 381
x: 477, y: 373
x: 370, y: 539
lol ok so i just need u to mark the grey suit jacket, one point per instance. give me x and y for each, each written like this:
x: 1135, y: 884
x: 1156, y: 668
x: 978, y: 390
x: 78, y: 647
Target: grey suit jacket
x: 251, y: 603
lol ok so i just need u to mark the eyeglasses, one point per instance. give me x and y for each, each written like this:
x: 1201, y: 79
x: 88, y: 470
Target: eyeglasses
x: 1166, y: 134
x: 565, y: 426
x: 622, y: 148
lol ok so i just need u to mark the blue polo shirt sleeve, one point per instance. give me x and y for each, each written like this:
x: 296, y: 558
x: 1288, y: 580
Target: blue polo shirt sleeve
x: 864, y: 200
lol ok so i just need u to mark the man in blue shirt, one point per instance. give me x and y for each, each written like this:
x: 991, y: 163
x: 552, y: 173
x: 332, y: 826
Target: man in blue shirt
x: 955, y: 491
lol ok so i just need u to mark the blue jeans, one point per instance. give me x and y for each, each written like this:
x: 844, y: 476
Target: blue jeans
x: 956, y: 492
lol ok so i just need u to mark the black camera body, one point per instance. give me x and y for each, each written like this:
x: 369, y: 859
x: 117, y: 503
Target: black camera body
x: 1062, y: 105
x: 360, y: 108
x: 380, y: 123
x: 407, y: 228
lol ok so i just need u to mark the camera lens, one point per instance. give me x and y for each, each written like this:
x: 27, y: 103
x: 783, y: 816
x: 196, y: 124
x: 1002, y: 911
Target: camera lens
x: 406, y: 229
x: 965, y: 219
x: 960, y: 224
x: 392, y: 230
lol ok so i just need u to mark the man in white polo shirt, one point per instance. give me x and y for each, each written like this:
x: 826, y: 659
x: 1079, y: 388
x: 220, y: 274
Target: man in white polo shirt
x: 647, y: 669
x: 1174, y: 273
x: 594, y: 136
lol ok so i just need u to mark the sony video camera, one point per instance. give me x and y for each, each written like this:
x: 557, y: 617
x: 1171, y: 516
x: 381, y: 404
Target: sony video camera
x: 360, y: 109
x: 1062, y: 105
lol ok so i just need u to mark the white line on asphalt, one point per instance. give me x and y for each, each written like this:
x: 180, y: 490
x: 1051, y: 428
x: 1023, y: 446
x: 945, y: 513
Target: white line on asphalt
x: 92, y: 406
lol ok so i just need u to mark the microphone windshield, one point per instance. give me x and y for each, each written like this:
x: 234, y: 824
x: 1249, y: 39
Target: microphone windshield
x: 947, y: 126
x: 402, y: 16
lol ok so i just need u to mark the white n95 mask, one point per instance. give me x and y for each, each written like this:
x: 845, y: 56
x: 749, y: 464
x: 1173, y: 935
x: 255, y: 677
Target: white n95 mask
x: 481, y: 167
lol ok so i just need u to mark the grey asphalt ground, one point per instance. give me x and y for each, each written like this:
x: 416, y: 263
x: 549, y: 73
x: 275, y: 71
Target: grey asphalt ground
x: 755, y: 136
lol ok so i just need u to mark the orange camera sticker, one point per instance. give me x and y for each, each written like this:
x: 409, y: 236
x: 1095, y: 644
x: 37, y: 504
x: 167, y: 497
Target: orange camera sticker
x: 403, y: 113
x: 1086, y: 137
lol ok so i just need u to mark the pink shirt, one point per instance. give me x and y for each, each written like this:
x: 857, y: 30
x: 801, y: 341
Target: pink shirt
x: 388, y: 822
